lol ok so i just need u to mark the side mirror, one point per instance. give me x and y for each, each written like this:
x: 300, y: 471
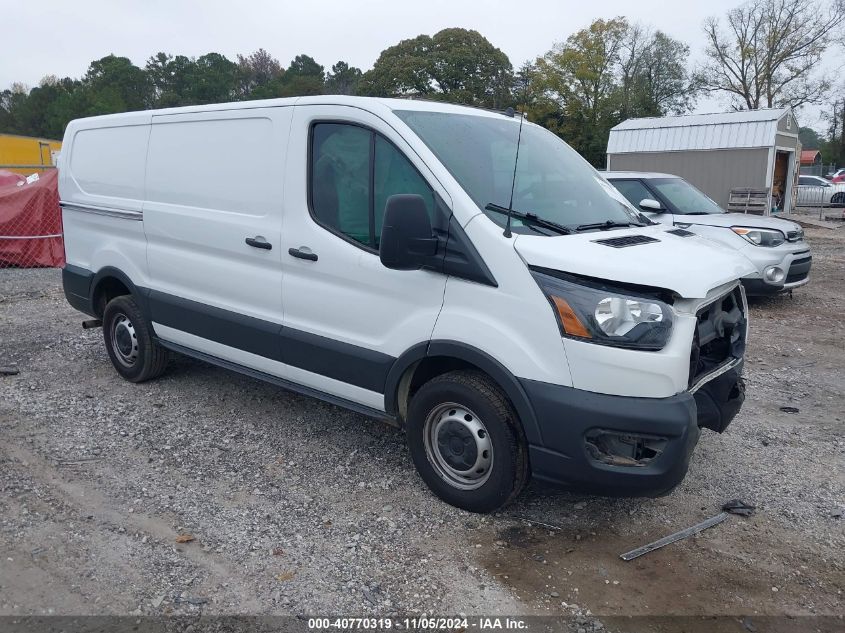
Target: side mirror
x: 407, y: 240
x: 648, y: 204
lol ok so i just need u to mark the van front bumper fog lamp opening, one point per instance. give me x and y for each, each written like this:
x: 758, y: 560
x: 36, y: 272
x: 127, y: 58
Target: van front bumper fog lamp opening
x: 623, y: 449
x: 774, y: 274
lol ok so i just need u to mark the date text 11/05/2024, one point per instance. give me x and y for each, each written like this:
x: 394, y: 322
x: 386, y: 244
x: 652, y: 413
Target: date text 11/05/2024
x: 418, y: 624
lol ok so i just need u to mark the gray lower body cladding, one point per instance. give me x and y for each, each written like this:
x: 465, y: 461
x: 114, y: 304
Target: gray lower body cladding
x: 625, y: 446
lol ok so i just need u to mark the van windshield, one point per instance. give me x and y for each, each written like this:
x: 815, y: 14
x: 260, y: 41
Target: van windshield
x: 552, y: 181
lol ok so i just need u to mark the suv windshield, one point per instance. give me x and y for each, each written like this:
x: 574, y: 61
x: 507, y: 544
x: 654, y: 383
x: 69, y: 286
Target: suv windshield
x: 685, y: 198
x: 552, y: 181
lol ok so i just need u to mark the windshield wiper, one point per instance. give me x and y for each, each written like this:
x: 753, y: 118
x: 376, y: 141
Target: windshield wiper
x: 697, y: 213
x: 607, y: 224
x: 530, y: 217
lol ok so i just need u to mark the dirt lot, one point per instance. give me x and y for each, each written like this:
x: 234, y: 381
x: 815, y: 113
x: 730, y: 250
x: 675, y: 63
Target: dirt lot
x: 298, y: 507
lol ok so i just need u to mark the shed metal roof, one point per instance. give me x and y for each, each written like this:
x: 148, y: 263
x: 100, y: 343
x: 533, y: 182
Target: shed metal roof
x: 727, y: 130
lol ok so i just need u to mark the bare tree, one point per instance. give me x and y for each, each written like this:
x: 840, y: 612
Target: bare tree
x: 634, y: 45
x: 767, y: 54
x: 257, y: 69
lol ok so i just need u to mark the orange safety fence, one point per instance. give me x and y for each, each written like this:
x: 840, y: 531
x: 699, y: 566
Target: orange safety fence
x: 31, y: 223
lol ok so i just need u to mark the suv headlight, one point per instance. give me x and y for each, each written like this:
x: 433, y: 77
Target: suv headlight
x: 760, y: 237
x: 598, y: 313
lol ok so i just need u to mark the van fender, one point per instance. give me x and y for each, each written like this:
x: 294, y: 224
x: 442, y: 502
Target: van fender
x: 485, y: 362
x: 139, y: 295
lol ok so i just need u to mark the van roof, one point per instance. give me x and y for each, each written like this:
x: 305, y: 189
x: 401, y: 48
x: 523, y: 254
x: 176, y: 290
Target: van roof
x: 369, y: 103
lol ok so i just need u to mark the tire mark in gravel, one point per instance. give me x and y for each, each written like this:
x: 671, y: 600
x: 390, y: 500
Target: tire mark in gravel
x: 109, y: 515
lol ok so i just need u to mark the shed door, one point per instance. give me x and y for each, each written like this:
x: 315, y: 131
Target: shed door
x: 780, y: 181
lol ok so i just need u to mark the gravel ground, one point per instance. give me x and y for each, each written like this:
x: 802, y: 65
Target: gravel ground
x: 291, y: 506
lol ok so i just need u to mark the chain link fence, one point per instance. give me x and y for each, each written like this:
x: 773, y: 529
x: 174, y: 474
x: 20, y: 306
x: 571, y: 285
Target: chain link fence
x: 31, y: 222
x: 817, y: 170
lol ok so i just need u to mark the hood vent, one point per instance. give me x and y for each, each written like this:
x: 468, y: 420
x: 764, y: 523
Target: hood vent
x: 681, y: 232
x: 628, y: 240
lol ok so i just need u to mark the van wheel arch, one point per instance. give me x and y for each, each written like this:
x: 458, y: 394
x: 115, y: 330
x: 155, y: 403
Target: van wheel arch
x: 426, y: 361
x: 109, y: 283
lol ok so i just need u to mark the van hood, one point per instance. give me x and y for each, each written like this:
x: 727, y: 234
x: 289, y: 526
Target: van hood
x: 689, y: 266
x: 738, y: 219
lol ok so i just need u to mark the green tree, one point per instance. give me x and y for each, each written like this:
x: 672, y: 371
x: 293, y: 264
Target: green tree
x: 654, y: 75
x: 44, y: 110
x: 170, y: 80
x: 343, y: 79
x: 580, y: 78
x: 456, y: 65
x: 304, y: 76
x: 116, y: 85
x: 403, y: 69
x: 212, y: 79
x: 809, y: 138
x: 603, y: 74
x: 72, y: 102
x: 13, y: 103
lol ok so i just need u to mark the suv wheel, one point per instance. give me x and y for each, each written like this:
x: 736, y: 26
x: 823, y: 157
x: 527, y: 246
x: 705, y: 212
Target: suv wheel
x: 129, y: 342
x: 466, y: 441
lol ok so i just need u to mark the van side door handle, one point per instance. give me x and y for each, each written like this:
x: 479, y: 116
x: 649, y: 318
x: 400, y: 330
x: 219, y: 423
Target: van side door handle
x: 303, y: 252
x: 259, y: 242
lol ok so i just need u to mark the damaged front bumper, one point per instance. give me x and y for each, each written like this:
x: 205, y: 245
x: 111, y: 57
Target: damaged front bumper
x: 625, y: 446
x: 629, y: 446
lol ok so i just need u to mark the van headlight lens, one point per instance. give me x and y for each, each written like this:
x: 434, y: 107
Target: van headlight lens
x: 599, y: 313
x: 760, y: 237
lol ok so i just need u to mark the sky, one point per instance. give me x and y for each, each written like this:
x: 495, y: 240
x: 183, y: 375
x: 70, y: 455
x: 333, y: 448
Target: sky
x: 61, y: 37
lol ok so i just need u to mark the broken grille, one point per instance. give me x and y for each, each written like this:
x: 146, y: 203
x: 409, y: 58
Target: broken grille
x: 719, y: 335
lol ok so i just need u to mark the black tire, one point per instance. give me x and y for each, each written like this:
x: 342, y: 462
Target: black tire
x: 129, y: 342
x: 477, y: 394
x: 838, y: 199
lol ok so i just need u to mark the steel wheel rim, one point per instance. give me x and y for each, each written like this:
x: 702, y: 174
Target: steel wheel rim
x: 124, y: 340
x: 458, y: 446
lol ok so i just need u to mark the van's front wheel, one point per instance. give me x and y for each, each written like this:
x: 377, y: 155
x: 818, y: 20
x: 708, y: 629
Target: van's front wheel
x: 129, y: 341
x: 466, y: 441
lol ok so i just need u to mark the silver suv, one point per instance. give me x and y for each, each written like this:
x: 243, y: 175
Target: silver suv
x: 776, y: 247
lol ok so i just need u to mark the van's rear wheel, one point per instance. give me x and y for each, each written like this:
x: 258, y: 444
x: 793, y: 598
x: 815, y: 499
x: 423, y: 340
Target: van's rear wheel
x: 129, y: 342
x: 466, y: 441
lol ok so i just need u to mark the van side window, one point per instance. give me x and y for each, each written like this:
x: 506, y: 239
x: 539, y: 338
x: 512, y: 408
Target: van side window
x: 353, y: 173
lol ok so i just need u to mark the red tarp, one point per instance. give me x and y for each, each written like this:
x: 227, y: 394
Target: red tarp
x: 31, y: 224
x: 9, y: 178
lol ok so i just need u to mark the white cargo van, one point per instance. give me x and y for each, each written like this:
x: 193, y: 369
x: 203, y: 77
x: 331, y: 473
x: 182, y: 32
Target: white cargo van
x: 460, y: 272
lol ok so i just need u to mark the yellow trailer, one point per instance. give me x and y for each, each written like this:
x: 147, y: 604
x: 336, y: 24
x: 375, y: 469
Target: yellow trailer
x: 25, y: 154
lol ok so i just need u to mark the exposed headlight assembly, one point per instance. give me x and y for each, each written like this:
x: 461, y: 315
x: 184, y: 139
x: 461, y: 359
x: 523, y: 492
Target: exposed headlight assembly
x: 760, y: 237
x: 596, y: 313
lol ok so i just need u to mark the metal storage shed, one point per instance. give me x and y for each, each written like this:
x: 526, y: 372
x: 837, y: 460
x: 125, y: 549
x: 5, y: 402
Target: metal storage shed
x: 752, y: 149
